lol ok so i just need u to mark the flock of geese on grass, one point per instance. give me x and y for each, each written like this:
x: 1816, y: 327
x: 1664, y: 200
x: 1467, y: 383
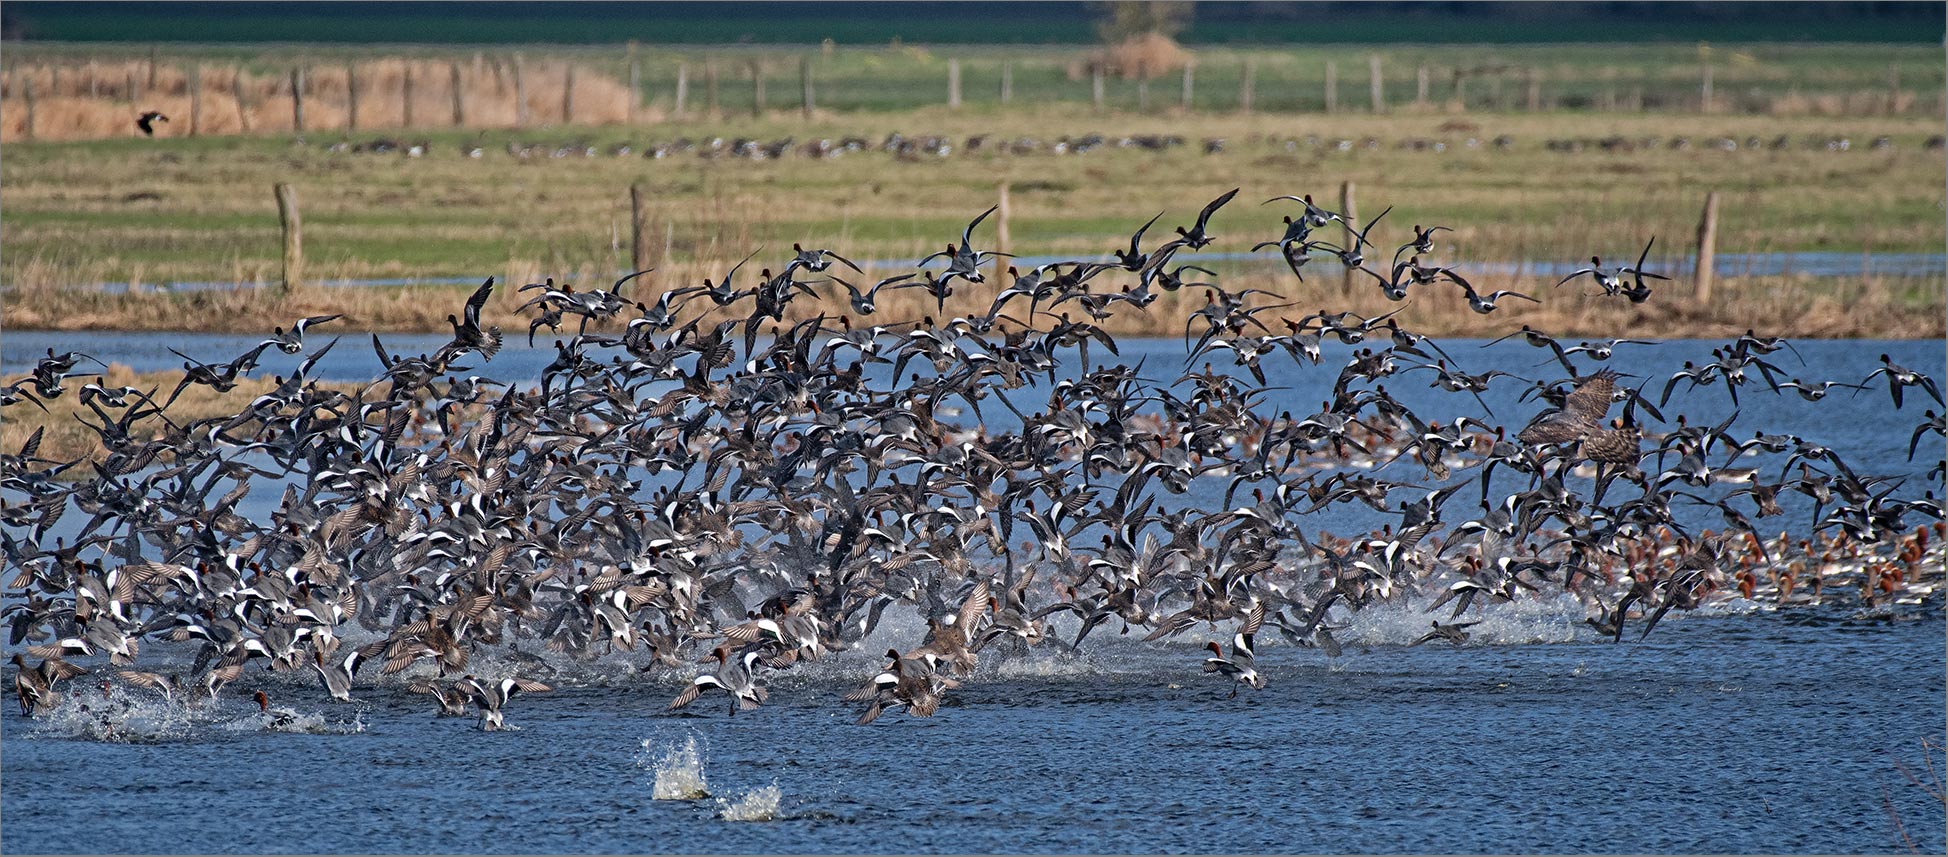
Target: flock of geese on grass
x: 921, y: 146
x: 675, y: 488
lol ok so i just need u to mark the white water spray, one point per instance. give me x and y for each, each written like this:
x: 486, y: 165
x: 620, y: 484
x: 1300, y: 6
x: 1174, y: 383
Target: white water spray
x: 759, y: 804
x: 678, y: 772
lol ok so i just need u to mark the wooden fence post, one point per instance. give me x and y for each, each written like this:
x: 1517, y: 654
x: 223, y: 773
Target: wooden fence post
x: 1704, y: 91
x: 1458, y: 99
x: 1535, y: 90
x: 805, y: 102
x: 133, y: 91
x: 1247, y: 85
x: 1332, y: 87
x: 635, y: 83
x: 520, y: 91
x: 94, y: 80
x: 682, y: 87
x: 1096, y: 88
x: 287, y: 219
x: 1190, y: 81
x: 1707, y: 248
x: 195, y: 98
x: 757, y: 89
x: 1376, y: 84
x: 27, y: 94
x: 638, y: 237
x: 297, y: 101
x: 351, y: 96
x: 710, y: 86
x: 568, y: 95
x: 458, y: 91
x: 1349, y: 210
x: 953, y: 84
x: 1420, y: 86
x: 237, y: 92
x: 1142, y: 92
x: 406, y: 97
x: 1007, y: 82
x: 54, y: 82
x: 152, y: 68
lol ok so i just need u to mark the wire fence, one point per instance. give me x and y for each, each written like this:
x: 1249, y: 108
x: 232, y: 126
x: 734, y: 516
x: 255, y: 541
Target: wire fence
x: 55, y: 91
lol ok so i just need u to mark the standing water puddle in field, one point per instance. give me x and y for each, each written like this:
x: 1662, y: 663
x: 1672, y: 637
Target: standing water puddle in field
x: 1811, y: 264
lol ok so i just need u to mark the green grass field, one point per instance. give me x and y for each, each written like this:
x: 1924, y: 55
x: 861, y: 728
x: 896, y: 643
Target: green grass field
x: 1747, y: 77
x: 144, y: 211
x: 187, y: 210
x: 151, y: 210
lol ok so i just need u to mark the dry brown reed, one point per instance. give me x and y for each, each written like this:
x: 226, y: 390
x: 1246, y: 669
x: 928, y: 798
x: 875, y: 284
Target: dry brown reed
x: 1869, y: 102
x: 65, y: 438
x: 488, y: 98
x: 1776, y: 305
x: 1147, y: 56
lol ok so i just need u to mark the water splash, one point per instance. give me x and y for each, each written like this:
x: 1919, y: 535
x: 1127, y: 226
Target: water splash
x: 289, y: 720
x: 1045, y: 661
x: 677, y: 772
x: 117, y: 716
x: 122, y: 715
x: 759, y: 804
x: 1557, y: 619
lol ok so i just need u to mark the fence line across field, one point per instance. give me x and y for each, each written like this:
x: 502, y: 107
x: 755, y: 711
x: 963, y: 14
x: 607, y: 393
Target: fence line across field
x: 1703, y: 266
x: 642, y: 84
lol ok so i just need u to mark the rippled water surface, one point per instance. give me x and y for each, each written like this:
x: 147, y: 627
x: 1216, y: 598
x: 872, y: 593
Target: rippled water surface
x: 1731, y: 730
x: 1740, y: 733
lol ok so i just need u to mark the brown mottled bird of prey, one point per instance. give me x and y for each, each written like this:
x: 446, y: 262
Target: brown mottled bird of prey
x: 1582, y: 411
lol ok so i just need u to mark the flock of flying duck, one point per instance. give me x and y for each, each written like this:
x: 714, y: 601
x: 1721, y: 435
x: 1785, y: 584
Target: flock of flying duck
x: 678, y: 489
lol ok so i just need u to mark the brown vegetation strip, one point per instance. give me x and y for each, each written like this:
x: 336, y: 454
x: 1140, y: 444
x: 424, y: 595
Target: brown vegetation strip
x: 66, y: 438
x: 1777, y: 306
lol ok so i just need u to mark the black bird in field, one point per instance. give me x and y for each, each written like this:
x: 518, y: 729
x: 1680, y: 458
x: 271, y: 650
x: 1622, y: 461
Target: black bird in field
x: 147, y: 121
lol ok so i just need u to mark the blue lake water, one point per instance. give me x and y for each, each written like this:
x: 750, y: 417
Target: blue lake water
x: 1758, y: 733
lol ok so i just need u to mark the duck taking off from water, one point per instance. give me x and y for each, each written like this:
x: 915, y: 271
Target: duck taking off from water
x: 1240, y: 666
x: 491, y: 696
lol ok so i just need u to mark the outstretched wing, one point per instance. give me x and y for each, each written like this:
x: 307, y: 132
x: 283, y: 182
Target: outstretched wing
x: 967, y: 236
x: 971, y: 609
x: 1591, y: 398
x: 1205, y: 215
x: 691, y: 693
x: 478, y: 300
x: 527, y: 685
